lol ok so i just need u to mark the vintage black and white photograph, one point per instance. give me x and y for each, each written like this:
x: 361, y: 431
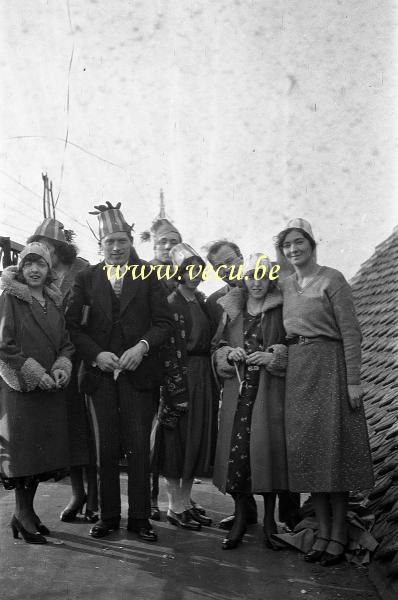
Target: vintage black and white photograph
x: 199, y: 300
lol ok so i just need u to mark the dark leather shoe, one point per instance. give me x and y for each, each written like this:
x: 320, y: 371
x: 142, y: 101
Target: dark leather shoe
x: 230, y: 543
x: 90, y: 516
x: 103, y: 528
x: 313, y: 556
x: 199, y: 518
x: 197, y: 507
x: 145, y: 532
x: 329, y: 559
x: 183, y: 520
x: 155, y: 513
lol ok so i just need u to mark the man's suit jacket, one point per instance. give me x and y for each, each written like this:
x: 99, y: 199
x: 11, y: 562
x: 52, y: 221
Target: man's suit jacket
x: 144, y: 314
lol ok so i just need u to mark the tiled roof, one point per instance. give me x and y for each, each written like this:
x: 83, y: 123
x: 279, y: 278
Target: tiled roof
x: 375, y: 289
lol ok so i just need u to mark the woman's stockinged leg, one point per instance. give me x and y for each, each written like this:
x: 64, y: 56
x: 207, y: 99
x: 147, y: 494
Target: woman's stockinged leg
x: 339, y: 503
x: 240, y: 522
x: 23, y: 508
x: 173, y: 490
x: 321, y: 502
x: 92, y: 488
x: 186, y: 489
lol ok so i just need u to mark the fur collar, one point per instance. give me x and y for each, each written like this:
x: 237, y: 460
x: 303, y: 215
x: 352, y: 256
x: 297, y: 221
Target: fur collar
x: 21, y: 290
x: 234, y: 301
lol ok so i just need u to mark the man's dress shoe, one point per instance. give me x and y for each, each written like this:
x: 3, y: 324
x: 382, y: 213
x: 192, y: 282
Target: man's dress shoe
x: 143, y: 529
x: 183, y: 520
x: 103, y: 528
x: 199, y: 518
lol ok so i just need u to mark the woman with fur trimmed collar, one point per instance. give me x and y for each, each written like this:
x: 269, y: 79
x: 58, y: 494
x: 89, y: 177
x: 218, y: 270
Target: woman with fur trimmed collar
x: 250, y: 357
x: 35, y: 368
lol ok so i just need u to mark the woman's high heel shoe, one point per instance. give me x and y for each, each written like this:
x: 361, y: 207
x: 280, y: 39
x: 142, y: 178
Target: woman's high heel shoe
x: 329, y: 559
x: 313, y: 555
x: 90, y: 516
x: 69, y: 514
x: 232, y: 542
x: 41, y: 528
x: 30, y: 538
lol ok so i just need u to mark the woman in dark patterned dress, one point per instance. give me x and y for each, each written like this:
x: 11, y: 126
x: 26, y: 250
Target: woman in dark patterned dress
x: 251, y: 358
x: 327, y: 441
x: 185, y: 430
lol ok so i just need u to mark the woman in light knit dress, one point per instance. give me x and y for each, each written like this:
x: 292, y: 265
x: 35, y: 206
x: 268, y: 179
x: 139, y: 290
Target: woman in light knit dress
x: 327, y: 440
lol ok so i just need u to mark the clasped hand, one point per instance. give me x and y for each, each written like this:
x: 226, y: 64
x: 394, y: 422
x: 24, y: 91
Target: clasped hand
x: 129, y: 360
x: 256, y: 358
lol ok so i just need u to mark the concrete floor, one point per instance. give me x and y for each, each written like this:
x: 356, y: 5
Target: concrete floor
x: 181, y: 566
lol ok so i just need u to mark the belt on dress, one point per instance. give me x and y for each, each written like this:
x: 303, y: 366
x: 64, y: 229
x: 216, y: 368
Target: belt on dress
x: 301, y: 339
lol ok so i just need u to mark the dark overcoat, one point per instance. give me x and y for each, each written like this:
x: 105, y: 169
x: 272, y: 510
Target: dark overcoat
x: 33, y: 422
x: 267, y: 437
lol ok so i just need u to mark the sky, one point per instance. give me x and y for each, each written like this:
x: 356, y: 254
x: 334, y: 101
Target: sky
x: 245, y: 113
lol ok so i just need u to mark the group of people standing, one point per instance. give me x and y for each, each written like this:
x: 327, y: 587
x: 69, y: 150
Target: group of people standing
x: 89, y: 359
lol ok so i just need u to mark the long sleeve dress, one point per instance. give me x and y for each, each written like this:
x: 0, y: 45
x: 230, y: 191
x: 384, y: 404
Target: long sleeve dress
x: 327, y: 442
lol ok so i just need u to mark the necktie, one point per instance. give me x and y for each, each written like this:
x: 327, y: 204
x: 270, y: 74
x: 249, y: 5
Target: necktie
x: 117, y: 287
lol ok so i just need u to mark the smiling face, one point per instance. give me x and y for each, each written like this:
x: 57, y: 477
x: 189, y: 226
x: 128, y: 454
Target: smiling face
x: 224, y: 260
x: 164, y: 244
x: 193, y: 277
x: 116, y: 248
x: 297, y: 248
x: 35, y: 271
x: 257, y: 289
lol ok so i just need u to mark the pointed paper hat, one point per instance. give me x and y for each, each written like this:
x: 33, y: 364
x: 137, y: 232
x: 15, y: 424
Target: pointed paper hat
x: 50, y: 229
x: 111, y: 219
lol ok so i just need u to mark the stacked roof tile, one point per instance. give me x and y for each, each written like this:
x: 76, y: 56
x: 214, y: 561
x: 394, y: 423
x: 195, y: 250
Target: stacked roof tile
x: 375, y: 289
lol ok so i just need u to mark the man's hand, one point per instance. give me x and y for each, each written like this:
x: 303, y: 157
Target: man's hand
x: 259, y: 358
x: 132, y: 357
x: 237, y: 354
x: 60, y: 377
x: 355, y: 394
x: 107, y: 361
x: 46, y: 383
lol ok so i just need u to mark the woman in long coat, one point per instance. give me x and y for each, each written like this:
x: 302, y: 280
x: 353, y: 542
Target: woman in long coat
x: 185, y: 431
x: 327, y: 441
x: 250, y: 357
x: 65, y: 266
x: 35, y: 367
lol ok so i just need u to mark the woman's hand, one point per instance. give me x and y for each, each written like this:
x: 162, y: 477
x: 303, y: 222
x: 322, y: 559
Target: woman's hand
x: 236, y: 355
x: 259, y: 358
x: 60, y: 377
x: 46, y: 383
x: 355, y: 393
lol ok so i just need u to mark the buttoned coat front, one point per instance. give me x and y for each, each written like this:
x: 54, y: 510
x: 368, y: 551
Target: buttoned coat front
x: 33, y: 422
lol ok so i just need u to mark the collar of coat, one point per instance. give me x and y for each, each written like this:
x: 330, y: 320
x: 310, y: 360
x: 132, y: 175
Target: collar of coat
x: 234, y: 301
x: 20, y: 290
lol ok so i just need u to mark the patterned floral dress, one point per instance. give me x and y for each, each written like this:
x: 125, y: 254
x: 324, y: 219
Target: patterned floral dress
x: 239, y: 476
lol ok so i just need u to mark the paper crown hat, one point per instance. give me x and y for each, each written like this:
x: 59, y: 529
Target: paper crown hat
x: 36, y: 248
x: 51, y: 229
x: 111, y: 219
x: 250, y: 262
x: 160, y: 227
x: 298, y: 224
x: 181, y: 252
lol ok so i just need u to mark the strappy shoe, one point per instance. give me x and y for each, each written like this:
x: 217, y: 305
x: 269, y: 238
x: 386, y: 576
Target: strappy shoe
x: 314, y: 555
x: 329, y: 559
